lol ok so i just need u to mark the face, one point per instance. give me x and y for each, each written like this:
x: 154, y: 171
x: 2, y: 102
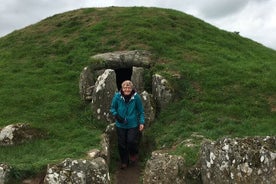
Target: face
x: 126, y: 90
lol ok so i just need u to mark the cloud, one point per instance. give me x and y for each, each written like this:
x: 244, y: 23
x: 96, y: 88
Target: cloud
x: 16, y: 14
x: 256, y: 21
x: 220, y: 8
x: 210, y: 9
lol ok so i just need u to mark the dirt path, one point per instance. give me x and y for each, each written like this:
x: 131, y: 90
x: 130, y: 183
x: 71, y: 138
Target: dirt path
x: 130, y: 175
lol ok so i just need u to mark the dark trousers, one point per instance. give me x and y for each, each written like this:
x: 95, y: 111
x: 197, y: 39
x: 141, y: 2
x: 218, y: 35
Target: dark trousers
x: 128, y: 141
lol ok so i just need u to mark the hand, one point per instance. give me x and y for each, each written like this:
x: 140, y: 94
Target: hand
x: 119, y: 119
x: 141, y: 127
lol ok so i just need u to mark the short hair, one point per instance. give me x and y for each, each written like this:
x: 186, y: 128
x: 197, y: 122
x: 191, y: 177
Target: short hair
x: 127, y: 83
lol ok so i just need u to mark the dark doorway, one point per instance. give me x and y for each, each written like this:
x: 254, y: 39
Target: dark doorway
x: 122, y: 74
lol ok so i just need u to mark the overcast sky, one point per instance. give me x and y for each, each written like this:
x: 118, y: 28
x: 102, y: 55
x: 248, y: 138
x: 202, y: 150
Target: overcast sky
x: 254, y: 19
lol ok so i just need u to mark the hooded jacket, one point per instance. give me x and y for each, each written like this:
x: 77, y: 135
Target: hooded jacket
x: 132, y: 111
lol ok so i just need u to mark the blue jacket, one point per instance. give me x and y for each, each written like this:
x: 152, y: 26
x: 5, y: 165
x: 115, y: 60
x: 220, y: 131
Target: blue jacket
x: 132, y: 112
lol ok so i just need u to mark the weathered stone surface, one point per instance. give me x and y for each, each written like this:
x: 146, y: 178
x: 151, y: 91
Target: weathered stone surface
x: 107, y: 139
x: 164, y: 168
x: 149, y: 107
x: 240, y: 161
x: 121, y: 59
x: 17, y: 133
x: 94, y: 153
x: 161, y: 91
x: 86, y: 83
x: 137, y: 78
x: 110, y: 130
x: 105, y: 147
x: 104, y: 90
x: 78, y: 172
x: 4, y: 172
x: 111, y: 134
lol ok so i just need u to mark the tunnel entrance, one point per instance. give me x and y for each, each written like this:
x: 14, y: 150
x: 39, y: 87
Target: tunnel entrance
x: 122, y: 74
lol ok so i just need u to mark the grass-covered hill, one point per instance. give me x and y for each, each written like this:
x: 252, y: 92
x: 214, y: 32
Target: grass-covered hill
x: 225, y: 84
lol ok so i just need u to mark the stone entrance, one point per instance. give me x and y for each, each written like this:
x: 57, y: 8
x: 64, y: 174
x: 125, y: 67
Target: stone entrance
x: 100, y: 80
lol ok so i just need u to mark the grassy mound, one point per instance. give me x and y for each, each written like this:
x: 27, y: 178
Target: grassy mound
x: 225, y: 83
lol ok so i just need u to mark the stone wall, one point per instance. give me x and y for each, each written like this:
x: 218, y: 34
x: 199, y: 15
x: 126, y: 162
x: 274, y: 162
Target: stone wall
x: 239, y: 160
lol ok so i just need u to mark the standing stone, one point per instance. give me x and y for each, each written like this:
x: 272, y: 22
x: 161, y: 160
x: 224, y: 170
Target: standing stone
x: 86, y: 84
x: 137, y: 78
x: 149, y: 107
x: 104, y: 90
x: 161, y: 91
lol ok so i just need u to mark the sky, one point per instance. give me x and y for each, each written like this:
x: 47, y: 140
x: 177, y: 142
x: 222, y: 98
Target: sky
x: 253, y: 19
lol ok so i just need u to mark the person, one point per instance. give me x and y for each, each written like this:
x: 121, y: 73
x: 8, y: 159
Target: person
x: 128, y: 111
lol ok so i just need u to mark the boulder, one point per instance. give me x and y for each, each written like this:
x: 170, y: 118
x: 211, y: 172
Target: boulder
x: 137, y: 78
x: 149, y: 107
x: 103, y: 92
x: 4, y: 173
x: 161, y: 91
x: 86, y: 84
x: 18, y: 133
x: 239, y: 160
x: 107, y: 139
x: 94, y: 153
x: 78, y: 172
x: 121, y: 59
x: 164, y: 168
x: 105, y: 147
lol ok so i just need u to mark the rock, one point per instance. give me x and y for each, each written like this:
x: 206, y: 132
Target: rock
x: 105, y: 147
x: 240, y: 161
x: 78, y: 172
x: 137, y: 79
x: 94, y: 153
x: 18, y: 133
x: 149, y: 107
x: 164, y: 168
x: 86, y: 84
x: 121, y: 59
x: 104, y: 90
x: 4, y: 173
x: 161, y: 91
x: 107, y: 139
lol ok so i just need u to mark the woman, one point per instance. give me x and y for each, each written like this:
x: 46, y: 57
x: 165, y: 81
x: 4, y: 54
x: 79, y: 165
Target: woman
x: 128, y: 110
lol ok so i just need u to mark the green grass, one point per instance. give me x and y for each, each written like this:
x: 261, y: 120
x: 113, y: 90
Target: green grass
x: 224, y: 83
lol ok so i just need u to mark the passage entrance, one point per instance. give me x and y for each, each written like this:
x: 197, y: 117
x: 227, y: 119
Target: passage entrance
x: 122, y: 74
